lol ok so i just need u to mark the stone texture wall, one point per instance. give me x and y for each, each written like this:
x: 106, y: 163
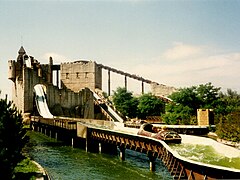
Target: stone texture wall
x: 81, y: 74
x: 25, y: 78
x: 205, y: 117
x: 162, y: 90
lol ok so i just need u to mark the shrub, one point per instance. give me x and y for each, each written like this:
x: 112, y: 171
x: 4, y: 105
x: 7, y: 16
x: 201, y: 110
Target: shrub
x: 12, y: 138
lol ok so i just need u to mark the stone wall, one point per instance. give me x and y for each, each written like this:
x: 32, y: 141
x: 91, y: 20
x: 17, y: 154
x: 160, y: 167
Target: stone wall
x: 81, y: 74
x: 25, y: 78
x: 205, y: 117
x: 162, y: 90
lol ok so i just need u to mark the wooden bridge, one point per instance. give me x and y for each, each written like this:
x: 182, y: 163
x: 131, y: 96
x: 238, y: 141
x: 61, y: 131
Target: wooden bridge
x: 98, y: 136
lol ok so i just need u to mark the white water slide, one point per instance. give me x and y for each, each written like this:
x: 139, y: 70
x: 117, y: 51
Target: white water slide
x: 43, y: 109
x: 108, y: 109
x: 41, y: 102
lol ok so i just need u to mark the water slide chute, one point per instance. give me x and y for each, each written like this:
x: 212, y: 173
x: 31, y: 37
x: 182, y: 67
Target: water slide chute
x: 41, y: 102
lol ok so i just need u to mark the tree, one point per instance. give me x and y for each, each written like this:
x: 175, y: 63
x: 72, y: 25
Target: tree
x: 229, y: 102
x: 187, y: 97
x: 208, y: 96
x: 177, y: 114
x: 229, y: 127
x: 187, y: 100
x: 124, y: 102
x: 150, y: 105
x: 12, y: 138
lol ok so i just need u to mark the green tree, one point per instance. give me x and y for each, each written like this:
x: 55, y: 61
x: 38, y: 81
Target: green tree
x: 208, y: 96
x: 12, y: 138
x: 186, y: 97
x: 229, y: 102
x: 177, y: 114
x: 229, y: 127
x: 150, y: 105
x: 187, y: 100
x: 125, y: 103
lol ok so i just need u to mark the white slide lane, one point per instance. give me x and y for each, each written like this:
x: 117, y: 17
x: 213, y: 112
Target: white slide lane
x: 41, y: 101
x: 43, y: 109
x: 109, y: 109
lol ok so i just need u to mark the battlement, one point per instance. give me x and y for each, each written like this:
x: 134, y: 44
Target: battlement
x: 80, y: 74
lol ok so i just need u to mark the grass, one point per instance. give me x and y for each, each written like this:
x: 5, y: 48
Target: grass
x: 26, y: 169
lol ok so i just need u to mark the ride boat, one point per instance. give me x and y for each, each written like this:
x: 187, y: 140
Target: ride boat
x: 163, y: 134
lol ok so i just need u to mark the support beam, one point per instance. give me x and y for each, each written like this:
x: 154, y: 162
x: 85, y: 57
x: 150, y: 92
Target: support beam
x: 100, y: 148
x: 122, y: 153
x: 142, y: 87
x: 109, y: 83
x: 125, y: 82
x: 152, y: 163
x: 56, y: 136
x: 72, y: 142
x: 57, y: 78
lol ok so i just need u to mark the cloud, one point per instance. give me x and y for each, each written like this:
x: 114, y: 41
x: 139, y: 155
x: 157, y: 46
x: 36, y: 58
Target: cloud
x: 220, y: 69
x: 181, y: 51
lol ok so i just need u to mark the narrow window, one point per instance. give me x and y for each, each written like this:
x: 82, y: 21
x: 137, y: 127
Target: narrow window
x: 67, y: 75
x: 77, y: 75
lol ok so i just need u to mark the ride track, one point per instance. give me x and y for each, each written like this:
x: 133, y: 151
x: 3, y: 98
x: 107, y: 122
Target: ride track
x: 178, y: 166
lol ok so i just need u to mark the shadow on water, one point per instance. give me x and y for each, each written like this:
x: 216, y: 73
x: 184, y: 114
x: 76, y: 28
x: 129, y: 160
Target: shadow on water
x: 64, y: 162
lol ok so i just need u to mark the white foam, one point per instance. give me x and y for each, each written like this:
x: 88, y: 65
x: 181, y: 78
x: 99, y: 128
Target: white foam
x: 225, y: 150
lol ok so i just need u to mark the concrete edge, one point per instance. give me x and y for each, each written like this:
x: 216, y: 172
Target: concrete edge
x: 42, y: 173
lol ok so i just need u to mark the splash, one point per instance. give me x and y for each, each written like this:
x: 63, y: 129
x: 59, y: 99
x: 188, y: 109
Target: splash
x: 208, y: 151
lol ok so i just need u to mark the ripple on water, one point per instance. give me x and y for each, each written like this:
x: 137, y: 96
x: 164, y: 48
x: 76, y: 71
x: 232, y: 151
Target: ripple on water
x: 64, y: 162
x: 205, y: 154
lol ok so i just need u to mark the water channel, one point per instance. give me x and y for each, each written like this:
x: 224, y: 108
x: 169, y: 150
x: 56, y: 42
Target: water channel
x: 64, y: 162
x: 208, y: 151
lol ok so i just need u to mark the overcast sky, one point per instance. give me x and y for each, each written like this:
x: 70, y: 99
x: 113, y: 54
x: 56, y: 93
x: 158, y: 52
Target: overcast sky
x: 177, y: 43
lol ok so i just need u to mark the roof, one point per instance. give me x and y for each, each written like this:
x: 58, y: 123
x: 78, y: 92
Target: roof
x: 21, y: 50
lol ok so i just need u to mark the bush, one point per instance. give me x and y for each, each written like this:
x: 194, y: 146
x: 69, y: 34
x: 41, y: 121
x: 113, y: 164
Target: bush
x: 12, y: 138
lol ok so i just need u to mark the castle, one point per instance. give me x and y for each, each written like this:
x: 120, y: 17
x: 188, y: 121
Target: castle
x: 73, y: 90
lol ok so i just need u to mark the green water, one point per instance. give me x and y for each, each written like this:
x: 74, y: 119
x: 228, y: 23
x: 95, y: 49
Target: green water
x: 205, y: 154
x: 64, y: 162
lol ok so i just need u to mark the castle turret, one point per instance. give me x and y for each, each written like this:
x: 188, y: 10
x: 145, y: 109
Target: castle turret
x: 11, y: 70
x: 21, y: 52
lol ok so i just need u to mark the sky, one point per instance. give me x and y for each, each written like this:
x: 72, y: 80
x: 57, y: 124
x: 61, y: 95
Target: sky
x: 177, y: 43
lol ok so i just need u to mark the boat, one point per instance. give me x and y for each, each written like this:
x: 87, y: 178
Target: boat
x: 163, y: 134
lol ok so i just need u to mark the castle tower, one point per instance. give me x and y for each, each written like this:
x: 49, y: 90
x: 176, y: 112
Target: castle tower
x: 24, y: 77
x: 80, y: 74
